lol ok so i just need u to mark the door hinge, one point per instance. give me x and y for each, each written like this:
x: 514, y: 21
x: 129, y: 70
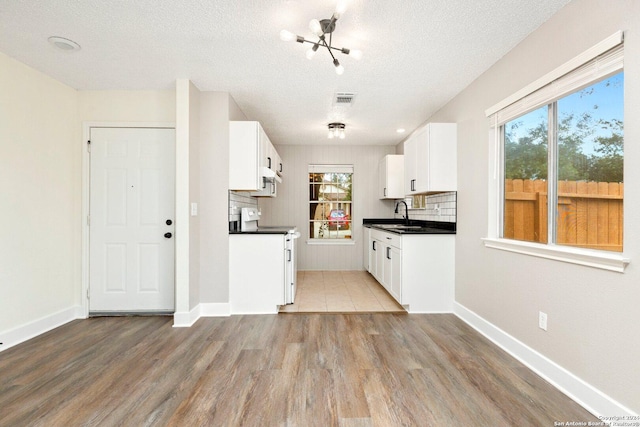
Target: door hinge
x: 89, y: 146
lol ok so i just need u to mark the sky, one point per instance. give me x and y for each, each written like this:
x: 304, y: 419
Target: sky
x: 607, y: 95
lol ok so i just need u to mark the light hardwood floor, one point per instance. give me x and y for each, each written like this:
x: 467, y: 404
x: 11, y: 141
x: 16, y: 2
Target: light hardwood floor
x: 382, y: 369
x: 340, y: 291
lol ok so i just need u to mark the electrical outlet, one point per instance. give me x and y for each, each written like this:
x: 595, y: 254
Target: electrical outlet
x: 542, y: 320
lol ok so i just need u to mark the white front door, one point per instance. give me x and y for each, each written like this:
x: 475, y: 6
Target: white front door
x: 132, y: 214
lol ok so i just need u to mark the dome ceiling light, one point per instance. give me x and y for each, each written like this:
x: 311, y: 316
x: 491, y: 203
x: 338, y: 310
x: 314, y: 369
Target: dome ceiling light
x: 64, y: 44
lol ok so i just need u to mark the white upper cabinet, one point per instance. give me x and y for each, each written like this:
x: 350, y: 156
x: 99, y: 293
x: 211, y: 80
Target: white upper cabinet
x: 391, y: 175
x: 251, y: 157
x: 430, y: 159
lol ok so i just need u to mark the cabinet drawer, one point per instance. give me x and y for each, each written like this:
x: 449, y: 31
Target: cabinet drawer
x: 390, y: 239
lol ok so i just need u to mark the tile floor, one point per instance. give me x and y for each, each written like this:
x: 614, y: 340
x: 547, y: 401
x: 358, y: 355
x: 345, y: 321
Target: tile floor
x: 340, y: 291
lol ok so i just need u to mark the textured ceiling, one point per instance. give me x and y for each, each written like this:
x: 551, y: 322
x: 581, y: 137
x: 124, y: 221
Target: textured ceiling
x: 418, y: 54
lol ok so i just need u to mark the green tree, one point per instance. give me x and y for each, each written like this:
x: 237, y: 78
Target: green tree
x: 526, y: 156
x: 573, y: 164
x: 608, y: 164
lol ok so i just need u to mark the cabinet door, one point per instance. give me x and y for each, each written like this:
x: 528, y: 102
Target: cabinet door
x: 372, y: 257
x: 279, y: 168
x: 382, y: 178
x: 391, y: 177
x: 263, y: 148
x: 392, y: 271
x: 395, y: 264
x: 366, y: 245
x: 379, y: 263
x: 387, y: 271
x: 422, y: 162
x: 442, y: 157
x: 410, y: 165
x: 245, y: 140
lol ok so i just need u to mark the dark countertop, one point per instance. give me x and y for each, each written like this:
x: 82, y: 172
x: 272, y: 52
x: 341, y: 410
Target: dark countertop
x: 414, y: 226
x: 282, y: 229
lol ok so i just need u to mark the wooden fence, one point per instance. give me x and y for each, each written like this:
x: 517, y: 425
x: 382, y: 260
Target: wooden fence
x: 590, y: 214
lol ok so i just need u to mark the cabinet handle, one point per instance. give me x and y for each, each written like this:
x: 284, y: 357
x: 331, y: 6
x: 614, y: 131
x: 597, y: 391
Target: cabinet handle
x: 374, y: 245
x: 269, y: 159
x: 280, y: 167
x: 384, y: 192
x: 413, y: 185
x: 273, y: 188
x: 288, y: 255
x: 388, y: 253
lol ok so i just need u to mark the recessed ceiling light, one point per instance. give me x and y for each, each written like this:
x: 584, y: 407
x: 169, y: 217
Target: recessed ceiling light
x: 401, y: 130
x: 64, y: 44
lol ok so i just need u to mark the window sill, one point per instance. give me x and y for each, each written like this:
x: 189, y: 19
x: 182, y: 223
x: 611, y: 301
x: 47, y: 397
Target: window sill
x: 331, y: 242
x: 598, y: 259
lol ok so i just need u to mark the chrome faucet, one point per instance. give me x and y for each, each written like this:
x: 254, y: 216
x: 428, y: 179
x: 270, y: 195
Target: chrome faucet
x: 406, y: 211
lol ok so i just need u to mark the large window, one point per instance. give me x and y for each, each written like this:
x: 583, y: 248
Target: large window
x: 557, y: 163
x: 330, y: 201
x: 585, y: 141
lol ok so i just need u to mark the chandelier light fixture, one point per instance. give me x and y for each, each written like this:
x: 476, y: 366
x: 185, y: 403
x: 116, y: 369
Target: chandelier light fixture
x: 336, y: 130
x: 321, y: 29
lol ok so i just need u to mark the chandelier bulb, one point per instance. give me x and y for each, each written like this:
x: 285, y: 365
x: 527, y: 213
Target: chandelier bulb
x: 356, y: 54
x: 287, y: 36
x: 315, y: 27
x: 341, y: 7
x: 310, y: 53
x: 339, y: 68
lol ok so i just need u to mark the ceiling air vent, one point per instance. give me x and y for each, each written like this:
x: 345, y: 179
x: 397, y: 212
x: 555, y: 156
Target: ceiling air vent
x: 344, y: 98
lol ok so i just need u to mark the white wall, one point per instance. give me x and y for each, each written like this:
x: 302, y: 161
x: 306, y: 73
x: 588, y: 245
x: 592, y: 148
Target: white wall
x: 593, y: 315
x: 216, y: 109
x: 40, y: 184
x: 291, y: 206
x: 194, y: 195
x: 127, y: 106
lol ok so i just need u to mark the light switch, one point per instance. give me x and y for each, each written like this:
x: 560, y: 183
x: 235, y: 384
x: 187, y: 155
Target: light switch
x: 194, y: 209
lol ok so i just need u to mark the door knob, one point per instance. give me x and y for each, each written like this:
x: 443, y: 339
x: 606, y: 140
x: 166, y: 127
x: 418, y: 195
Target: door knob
x: 167, y: 235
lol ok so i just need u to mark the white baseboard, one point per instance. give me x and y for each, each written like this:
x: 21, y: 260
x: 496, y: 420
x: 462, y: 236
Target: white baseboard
x: 185, y: 319
x: 39, y: 326
x: 215, y: 309
x: 592, y: 399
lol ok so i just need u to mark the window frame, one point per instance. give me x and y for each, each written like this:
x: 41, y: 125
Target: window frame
x: 613, y: 261
x: 335, y: 169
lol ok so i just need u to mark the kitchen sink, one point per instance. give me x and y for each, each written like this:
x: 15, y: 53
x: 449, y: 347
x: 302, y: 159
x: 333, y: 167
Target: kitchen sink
x: 399, y: 226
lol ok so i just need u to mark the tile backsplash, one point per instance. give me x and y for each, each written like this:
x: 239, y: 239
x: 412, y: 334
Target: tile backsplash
x: 446, y: 211
x: 239, y: 200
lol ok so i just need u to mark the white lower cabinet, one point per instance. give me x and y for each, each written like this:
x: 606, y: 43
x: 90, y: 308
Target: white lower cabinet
x: 393, y: 271
x: 257, y: 273
x: 416, y: 269
x: 366, y: 239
